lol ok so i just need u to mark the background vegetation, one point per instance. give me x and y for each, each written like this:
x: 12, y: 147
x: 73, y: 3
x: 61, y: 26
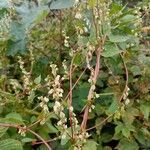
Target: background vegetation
x: 74, y: 75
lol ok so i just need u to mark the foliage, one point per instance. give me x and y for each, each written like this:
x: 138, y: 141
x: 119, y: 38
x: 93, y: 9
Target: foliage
x: 74, y: 75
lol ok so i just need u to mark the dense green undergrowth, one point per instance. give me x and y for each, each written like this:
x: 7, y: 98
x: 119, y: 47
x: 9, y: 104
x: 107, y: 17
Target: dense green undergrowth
x: 74, y: 75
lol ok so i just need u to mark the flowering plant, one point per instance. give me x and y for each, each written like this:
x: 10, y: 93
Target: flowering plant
x: 74, y: 75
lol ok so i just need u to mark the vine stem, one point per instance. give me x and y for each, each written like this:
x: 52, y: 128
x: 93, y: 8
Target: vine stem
x: 99, y: 124
x: 127, y: 78
x: 96, y: 72
x: 121, y: 97
x: 26, y: 129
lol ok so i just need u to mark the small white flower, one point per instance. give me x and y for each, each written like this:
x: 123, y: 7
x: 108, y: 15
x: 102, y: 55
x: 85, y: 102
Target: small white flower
x: 51, y: 91
x: 59, y: 123
x: 65, y: 126
x: 41, y: 104
x: 97, y: 95
x: 71, y: 109
x: 89, y: 80
x: 85, y: 29
x: 63, y: 136
x: 81, y: 136
x: 62, y: 115
x: 92, y: 106
x: 45, y: 108
x: 57, y: 104
x: 127, y: 101
x: 90, y: 110
x: 93, y: 87
x: 46, y: 99
x: 78, y: 15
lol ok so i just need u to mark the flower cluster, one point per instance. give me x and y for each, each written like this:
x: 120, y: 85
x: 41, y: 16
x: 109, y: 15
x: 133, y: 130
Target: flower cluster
x: 66, y: 71
x: 22, y: 131
x: 125, y: 96
x: 15, y: 85
x: 80, y: 140
x: 54, y: 87
x: 26, y: 75
x: 56, y: 91
x: 58, y: 109
x: 43, y: 103
x: 5, y: 26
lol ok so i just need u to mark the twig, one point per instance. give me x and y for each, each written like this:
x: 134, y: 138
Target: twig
x: 39, y: 137
x: 34, y: 124
x: 99, y: 124
x: 76, y: 83
x: 40, y: 142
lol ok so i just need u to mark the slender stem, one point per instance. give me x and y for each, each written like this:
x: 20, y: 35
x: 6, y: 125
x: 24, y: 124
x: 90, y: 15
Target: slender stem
x: 40, y: 138
x: 127, y: 78
x: 99, y: 124
x: 96, y: 74
x: 40, y: 142
x: 70, y: 96
x: 76, y: 82
x: 90, y: 95
x: 126, y: 85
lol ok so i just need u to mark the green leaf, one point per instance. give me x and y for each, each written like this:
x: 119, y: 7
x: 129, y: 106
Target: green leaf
x: 26, y: 140
x: 30, y: 14
x: 125, y: 144
x: 18, y: 41
x: 2, y: 131
x: 51, y: 128
x: 10, y: 144
x: 145, y: 108
x: 90, y: 145
x: 118, y: 38
x: 128, y: 18
x: 110, y: 50
x: 113, y: 107
x: 126, y: 132
x: 13, y: 118
x: 135, y: 70
x: 119, y: 127
x: 3, y: 3
x: 62, y: 4
x: 37, y: 80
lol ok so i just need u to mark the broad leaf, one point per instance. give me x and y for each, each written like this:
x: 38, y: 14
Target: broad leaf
x: 2, y: 131
x: 10, y: 144
x: 61, y: 4
x: 145, y: 110
x: 37, y: 80
x: 13, y: 118
x: 90, y: 145
x: 118, y: 38
x: 113, y: 107
x: 125, y: 144
x: 110, y: 50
